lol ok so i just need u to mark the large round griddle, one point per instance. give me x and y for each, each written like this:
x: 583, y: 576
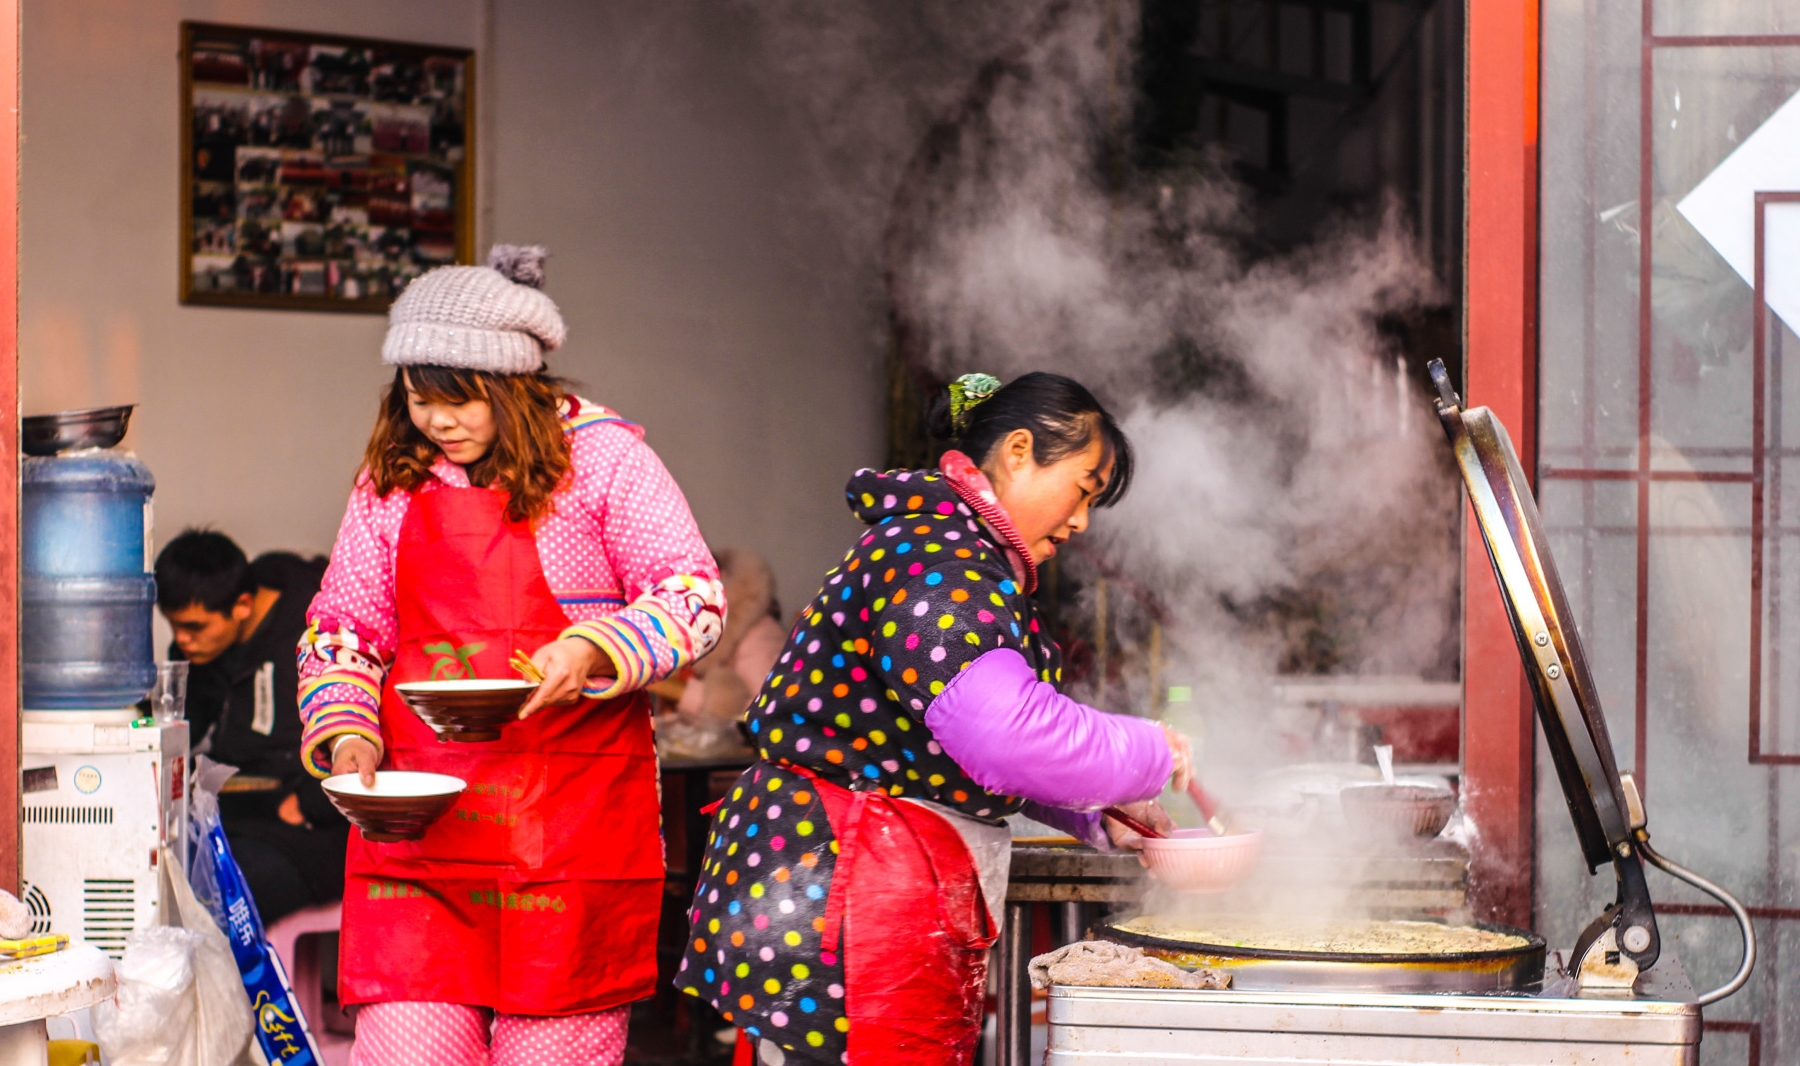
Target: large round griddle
x: 1257, y: 969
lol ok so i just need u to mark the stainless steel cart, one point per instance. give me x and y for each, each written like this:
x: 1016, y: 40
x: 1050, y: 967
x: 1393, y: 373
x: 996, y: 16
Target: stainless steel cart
x: 1659, y: 1025
x: 1431, y: 878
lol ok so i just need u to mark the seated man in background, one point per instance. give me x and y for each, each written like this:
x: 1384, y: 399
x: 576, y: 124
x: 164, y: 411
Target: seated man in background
x: 237, y: 622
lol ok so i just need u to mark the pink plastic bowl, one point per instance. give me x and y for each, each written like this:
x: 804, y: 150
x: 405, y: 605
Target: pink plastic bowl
x: 1194, y: 860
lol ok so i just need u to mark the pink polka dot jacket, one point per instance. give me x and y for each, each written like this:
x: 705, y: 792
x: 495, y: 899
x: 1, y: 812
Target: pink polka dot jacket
x: 620, y: 550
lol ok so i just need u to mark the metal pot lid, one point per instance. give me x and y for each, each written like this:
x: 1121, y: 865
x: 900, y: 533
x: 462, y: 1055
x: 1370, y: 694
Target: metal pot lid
x: 1567, y: 701
x: 1605, y: 809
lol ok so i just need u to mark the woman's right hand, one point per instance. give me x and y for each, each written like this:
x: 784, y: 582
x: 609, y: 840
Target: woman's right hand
x: 355, y: 755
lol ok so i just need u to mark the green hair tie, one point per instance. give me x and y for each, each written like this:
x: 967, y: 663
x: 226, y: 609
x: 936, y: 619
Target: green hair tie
x: 967, y: 393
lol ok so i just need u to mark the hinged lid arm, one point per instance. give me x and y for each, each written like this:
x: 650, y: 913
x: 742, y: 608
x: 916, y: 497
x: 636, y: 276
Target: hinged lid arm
x: 1562, y: 688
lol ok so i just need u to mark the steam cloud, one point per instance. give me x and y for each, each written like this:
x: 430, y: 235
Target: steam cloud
x: 1283, y: 451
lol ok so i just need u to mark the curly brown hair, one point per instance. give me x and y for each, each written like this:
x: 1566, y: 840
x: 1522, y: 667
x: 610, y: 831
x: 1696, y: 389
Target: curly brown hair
x: 530, y: 454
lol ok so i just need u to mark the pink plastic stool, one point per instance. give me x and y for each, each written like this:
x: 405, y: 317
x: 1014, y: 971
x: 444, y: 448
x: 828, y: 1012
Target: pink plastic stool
x: 295, y: 940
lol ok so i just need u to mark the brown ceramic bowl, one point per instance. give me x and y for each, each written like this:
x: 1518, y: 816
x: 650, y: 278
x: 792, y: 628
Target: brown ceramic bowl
x: 1403, y: 811
x: 466, y: 710
x: 401, y: 806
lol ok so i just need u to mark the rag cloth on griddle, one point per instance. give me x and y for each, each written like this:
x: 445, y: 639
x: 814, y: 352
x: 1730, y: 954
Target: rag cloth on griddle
x: 1109, y: 965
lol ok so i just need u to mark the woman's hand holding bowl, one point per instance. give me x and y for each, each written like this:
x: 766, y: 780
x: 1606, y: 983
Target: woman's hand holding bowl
x: 566, y: 665
x: 1149, y: 812
x: 351, y: 754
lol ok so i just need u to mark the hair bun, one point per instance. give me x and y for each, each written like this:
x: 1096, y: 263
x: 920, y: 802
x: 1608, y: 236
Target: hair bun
x: 521, y: 263
x: 967, y: 393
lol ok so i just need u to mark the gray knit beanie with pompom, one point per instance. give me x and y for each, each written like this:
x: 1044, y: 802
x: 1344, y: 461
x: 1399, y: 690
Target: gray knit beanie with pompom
x: 491, y: 318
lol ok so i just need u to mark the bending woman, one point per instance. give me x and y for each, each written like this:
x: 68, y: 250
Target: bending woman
x: 854, y: 877
x: 495, y: 511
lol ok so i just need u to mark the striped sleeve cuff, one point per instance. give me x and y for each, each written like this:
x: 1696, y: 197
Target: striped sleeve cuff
x: 332, y: 705
x: 632, y: 655
x: 664, y: 630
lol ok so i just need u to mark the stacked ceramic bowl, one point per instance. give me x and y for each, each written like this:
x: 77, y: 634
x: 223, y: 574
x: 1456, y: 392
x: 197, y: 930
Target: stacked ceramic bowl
x: 1408, y: 809
x: 466, y: 710
x: 401, y: 805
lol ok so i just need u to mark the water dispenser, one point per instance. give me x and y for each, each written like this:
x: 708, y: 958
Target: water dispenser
x: 86, y: 590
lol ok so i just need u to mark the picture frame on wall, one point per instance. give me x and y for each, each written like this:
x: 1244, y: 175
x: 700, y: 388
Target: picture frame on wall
x: 320, y: 172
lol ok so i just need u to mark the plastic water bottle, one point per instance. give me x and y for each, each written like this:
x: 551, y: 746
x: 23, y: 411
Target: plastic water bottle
x: 87, y: 590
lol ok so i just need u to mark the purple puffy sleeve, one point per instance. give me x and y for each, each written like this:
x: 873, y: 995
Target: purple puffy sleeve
x: 1016, y: 735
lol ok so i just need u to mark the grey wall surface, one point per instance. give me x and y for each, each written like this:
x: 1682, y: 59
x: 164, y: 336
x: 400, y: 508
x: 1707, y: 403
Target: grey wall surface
x: 702, y: 298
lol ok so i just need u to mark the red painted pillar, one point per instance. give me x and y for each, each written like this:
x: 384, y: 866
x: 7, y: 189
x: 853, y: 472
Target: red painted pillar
x: 1500, y: 373
x: 9, y: 445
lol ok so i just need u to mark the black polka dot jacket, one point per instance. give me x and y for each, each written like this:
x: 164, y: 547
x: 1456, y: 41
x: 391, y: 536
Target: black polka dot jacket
x: 923, y: 594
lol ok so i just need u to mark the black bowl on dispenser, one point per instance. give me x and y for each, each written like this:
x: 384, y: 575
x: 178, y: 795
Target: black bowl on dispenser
x: 90, y: 427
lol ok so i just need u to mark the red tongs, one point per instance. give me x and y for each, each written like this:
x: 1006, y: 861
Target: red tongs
x: 1133, y: 824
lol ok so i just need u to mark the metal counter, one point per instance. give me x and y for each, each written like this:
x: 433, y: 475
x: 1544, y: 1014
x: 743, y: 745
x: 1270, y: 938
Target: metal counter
x: 1428, y: 878
x: 1660, y: 1026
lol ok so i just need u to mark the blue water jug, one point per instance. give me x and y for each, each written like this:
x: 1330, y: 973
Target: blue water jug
x: 87, y: 590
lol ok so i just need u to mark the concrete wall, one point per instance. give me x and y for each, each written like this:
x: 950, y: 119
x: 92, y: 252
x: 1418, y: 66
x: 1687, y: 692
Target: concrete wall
x: 627, y: 137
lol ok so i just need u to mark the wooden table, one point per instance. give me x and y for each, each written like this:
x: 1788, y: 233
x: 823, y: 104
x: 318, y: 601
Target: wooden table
x: 1065, y: 876
x: 680, y: 1027
x: 687, y: 786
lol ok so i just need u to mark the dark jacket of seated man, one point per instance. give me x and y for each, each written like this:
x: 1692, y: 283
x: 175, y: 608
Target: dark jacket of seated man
x: 237, y: 621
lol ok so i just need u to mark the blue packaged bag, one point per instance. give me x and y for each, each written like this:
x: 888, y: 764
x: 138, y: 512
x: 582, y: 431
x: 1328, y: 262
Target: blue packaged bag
x: 281, y: 1029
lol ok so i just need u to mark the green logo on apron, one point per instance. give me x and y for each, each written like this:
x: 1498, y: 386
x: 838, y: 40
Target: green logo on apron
x: 453, y: 662
x: 399, y: 890
x: 517, y: 901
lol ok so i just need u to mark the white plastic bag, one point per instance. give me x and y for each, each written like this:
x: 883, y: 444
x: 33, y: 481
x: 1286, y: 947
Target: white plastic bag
x: 149, y: 1021
x: 180, y: 1001
x: 222, y: 1016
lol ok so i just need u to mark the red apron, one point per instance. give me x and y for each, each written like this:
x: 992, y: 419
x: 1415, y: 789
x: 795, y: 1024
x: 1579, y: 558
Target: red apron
x: 907, y: 898
x: 539, y: 893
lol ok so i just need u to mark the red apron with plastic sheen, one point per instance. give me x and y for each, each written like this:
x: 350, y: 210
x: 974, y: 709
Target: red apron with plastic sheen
x: 539, y: 892
x: 907, y: 898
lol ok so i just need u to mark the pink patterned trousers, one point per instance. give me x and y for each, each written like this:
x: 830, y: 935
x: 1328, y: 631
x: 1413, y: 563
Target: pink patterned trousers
x: 451, y: 1034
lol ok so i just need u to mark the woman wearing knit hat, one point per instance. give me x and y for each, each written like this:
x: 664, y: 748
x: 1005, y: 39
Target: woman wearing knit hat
x: 495, y: 511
